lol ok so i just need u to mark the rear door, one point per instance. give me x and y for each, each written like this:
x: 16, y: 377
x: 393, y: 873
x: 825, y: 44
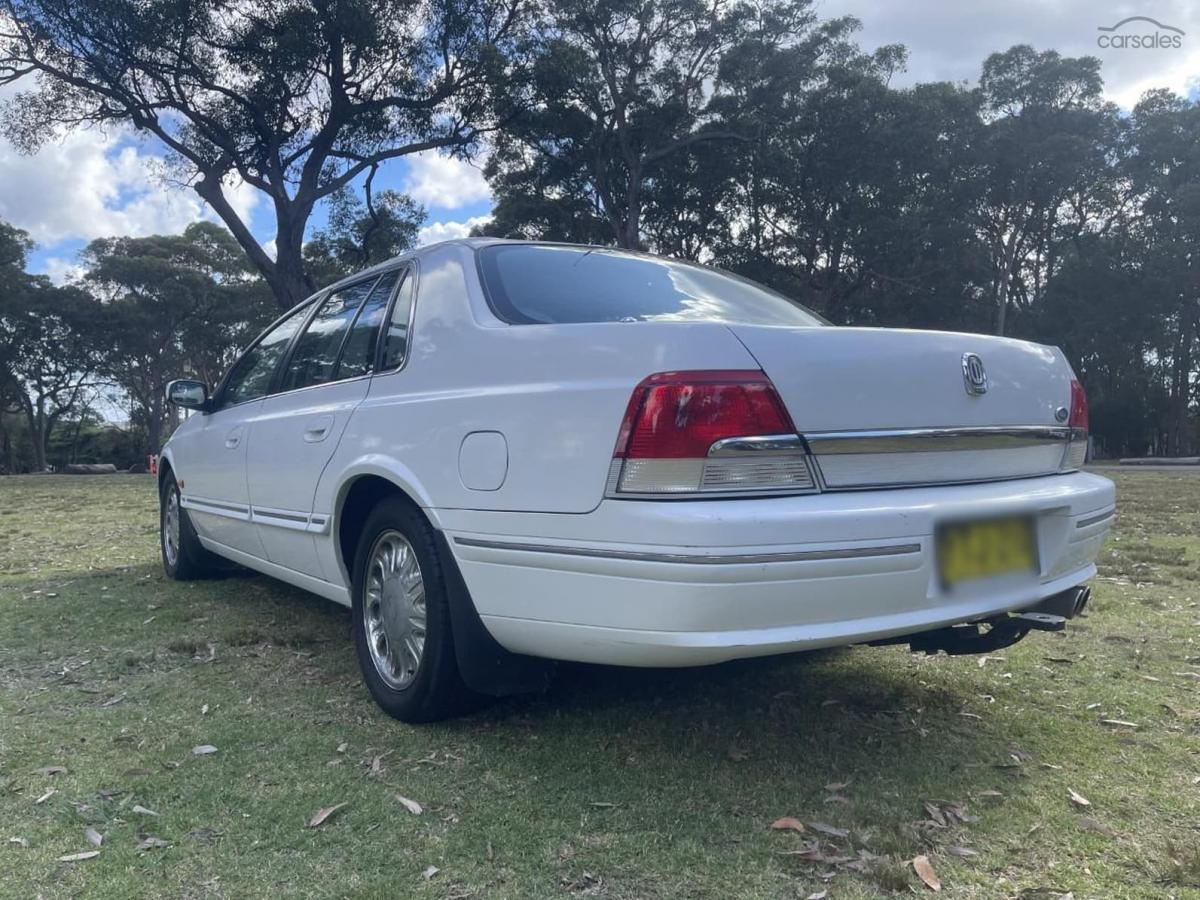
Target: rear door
x: 295, y: 431
x: 211, y: 461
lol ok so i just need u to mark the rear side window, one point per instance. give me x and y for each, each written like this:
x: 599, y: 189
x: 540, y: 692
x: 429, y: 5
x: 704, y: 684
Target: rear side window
x: 552, y: 284
x: 317, y: 350
x: 395, y: 341
x: 358, y: 356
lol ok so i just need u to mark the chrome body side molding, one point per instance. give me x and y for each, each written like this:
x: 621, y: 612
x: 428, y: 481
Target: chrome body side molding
x: 315, y: 523
x: 704, y: 559
x: 1096, y: 519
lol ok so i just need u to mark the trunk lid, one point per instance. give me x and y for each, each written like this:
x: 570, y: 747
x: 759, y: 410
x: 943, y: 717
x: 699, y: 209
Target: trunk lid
x: 867, y: 380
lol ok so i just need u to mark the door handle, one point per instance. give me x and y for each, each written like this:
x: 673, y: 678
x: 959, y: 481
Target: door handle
x: 233, y: 438
x: 317, y: 430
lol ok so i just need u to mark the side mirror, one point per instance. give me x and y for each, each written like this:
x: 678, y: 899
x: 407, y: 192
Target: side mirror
x: 188, y: 394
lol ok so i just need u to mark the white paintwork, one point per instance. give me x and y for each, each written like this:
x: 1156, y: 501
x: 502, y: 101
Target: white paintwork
x: 505, y: 434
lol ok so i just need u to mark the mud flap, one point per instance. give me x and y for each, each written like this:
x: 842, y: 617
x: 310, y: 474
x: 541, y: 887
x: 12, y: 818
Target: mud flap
x: 485, y: 666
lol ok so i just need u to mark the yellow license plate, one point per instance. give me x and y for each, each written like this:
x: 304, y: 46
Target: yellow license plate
x: 970, y: 550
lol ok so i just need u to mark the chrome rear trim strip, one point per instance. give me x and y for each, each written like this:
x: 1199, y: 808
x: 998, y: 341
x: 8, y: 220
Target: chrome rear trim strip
x: 914, y: 440
x: 701, y: 559
x: 772, y: 444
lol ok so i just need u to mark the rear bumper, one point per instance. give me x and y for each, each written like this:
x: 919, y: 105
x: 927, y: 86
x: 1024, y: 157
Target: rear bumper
x: 688, y: 583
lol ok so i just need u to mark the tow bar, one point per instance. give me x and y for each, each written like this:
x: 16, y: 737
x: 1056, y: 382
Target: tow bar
x: 997, y: 632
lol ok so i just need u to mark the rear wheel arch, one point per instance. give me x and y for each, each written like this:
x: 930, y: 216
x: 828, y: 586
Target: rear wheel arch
x: 357, y: 498
x: 485, y: 666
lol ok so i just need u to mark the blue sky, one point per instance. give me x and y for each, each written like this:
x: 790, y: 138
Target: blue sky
x: 89, y: 183
x: 453, y: 206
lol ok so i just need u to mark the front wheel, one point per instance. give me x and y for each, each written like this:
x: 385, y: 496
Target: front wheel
x: 402, y: 630
x: 183, y: 557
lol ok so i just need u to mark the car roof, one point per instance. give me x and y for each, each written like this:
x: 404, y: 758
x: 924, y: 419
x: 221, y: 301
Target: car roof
x: 472, y: 243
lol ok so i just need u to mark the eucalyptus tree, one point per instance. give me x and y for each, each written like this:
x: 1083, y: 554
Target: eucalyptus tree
x: 49, y: 359
x: 619, y: 89
x: 1046, y: 165
x: 168, y: 306
x: 299, y: 99
x: 358, y: 234
x: 1163, y: 168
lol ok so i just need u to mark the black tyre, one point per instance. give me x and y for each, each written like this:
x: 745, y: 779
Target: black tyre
x: 183, y: 557
x: 401, y: 617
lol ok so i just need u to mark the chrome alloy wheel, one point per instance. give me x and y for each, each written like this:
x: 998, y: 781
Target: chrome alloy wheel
x: 394, y: 609
x: 171, y: 528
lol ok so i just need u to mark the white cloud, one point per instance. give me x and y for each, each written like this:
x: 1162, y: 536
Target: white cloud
x: 63, y: 271
x: 448, y: 231
x: 441, y: 181
x: 91, y: 183
x: 949, y: 41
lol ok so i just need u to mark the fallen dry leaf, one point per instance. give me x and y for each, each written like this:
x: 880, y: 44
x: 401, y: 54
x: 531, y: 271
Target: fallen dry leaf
x: 835, y: 786
x: 152, y: 843
x: 322, y: 815
x: 79, y: 857
x: 95, y: 838
x: 430, y: 872
x: 1078, y: 799
x: 788, y: 823
x: 1119, y: 723
x: 819, y: 895
x: 46, y: 796
x: 143, y: 811
x: 737, y: 754
x: 411, y: 805
x: 204, y: 750
x: 20, y: 841
x: 52, y: 770
x: 924, y: 870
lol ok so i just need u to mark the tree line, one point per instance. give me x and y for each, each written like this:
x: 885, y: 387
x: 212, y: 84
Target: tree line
x: 747, y: 133
x: 147, y: 310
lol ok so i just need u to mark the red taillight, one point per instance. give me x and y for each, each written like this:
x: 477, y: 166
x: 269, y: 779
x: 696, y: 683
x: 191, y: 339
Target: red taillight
x: 1079, y: 406
x: 674, y: 419
x: 1077, y: 445
x: 680, y: 415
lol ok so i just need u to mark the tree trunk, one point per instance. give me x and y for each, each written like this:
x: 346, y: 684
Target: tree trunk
x: 285, y: 274
x: 38, y: 438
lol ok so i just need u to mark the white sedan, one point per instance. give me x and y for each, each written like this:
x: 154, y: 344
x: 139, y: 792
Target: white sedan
x: 503, y: 453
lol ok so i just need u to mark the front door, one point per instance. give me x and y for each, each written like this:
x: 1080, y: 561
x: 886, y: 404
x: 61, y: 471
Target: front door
x: 295, y: 431
x: 211, y: 459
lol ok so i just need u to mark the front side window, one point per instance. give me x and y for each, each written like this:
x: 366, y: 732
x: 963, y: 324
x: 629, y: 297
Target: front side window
x: 554, y: 284
x: 315, y: 357
x: 250, y: 377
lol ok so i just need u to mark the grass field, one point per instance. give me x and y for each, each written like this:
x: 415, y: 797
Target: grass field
x: 617, y: 783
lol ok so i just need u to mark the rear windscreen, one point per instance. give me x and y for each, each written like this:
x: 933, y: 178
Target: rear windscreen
x: 550, y: 284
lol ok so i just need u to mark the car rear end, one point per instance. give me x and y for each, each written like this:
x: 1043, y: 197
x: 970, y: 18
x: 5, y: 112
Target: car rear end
x: 834, y: 486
